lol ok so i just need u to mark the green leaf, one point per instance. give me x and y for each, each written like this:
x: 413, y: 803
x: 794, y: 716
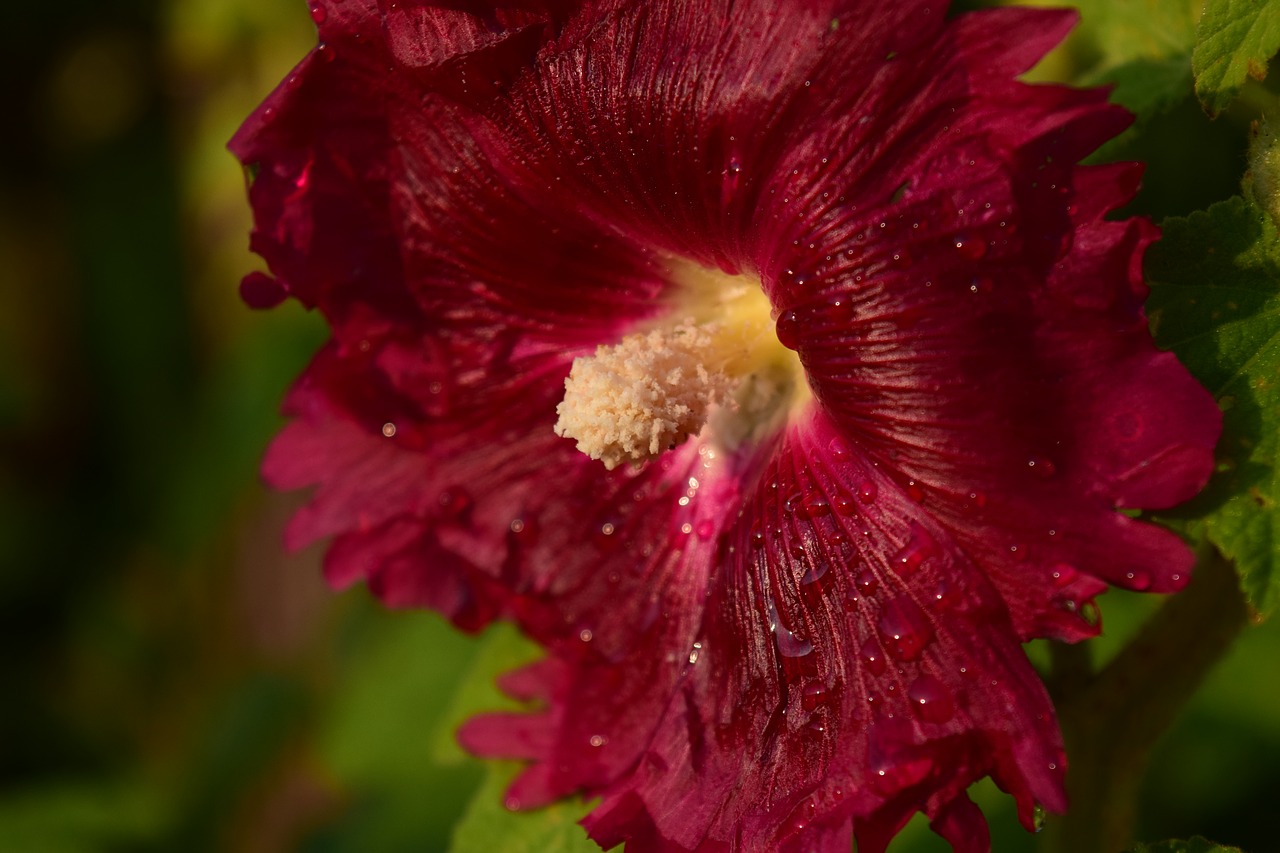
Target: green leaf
x: 1142, y: 47
x: 1147, y: 86
x: 83, y: 816
x: 1215, y: 301
x: 488, y: 825
x: 1124, y: 30
x: 1235, y: 40
x: 1190, y: 845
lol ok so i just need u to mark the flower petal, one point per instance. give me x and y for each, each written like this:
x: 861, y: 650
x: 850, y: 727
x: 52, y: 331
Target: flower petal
x: 851, y: 664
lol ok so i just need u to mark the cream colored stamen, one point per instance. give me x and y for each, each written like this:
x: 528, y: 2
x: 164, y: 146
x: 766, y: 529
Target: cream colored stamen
x: 712, y: 367
x: 644, y: 395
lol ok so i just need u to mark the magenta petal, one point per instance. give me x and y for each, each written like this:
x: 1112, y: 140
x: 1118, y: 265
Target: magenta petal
x: 852, y: 664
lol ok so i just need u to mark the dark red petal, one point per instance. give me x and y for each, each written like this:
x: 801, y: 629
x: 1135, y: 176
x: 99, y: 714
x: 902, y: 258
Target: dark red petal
x: 979, y: 330
x: 853, y: 664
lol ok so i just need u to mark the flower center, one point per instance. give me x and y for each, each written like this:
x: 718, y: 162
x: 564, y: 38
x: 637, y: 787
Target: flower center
x: 713, y: 364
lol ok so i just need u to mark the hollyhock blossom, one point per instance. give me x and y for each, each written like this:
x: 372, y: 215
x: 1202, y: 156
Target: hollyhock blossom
x: 771, y: 363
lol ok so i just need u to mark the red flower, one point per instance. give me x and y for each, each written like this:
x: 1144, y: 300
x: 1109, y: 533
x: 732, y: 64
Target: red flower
x: 805, y: 621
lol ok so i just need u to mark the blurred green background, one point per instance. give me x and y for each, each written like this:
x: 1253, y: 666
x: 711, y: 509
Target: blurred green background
x: 169, y: 679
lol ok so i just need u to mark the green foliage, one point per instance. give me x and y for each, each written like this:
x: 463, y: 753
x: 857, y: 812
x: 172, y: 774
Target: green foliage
x: 1190, y: 845
x: 1141, y: 47
x: 488, y: 825
x: 1216, y: 302
x: 1235, y: 40
x: 82, y: 817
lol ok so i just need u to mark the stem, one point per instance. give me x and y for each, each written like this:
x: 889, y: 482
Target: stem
x: 1112, y: 720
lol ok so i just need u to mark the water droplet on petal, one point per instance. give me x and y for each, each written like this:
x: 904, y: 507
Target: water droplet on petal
x: 318, y: 13
x: 814, y: 573
x: 913, y: 555
x: 931, y: 700
x: 813, y: 695
x: 790, y: 644
x: 873, y: 657
x: 1138, y: 580
x: 1042, y: 467
x: 788, y: 329
x: 1038, y: 818
x: 892, y: 778
x: 970, y: 248
x: 867, y: 491
x: 915, y: 492
x: 1064, y: 575
x: 904, y: 629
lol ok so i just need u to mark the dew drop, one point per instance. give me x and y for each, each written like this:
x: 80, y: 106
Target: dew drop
x: 913, y: 555
x: 1138, y: 580
x: 838, y: 449
x: 706, y: 529
x: 866, y: 583
x: 586, y: 635
x: 815, y: 507
x: 788, y: 329
x: 597, y: 741
x: 873, y: 657
x: 839, y: 310
x: 813, y: 695
x: 1038, y: 818
x: 914, y: 491
x: 970, y: 249
x: 867, y: 491
x: 946, y: 596
x: 1063, y: 575
x: 844, y: 506
x: 814, y: 573
x: 893, y: 778
x: 1042, y: 467
x: 790, y: 644
x: 930, y: 700
x: 318, y: 13
x: 904, y: 629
